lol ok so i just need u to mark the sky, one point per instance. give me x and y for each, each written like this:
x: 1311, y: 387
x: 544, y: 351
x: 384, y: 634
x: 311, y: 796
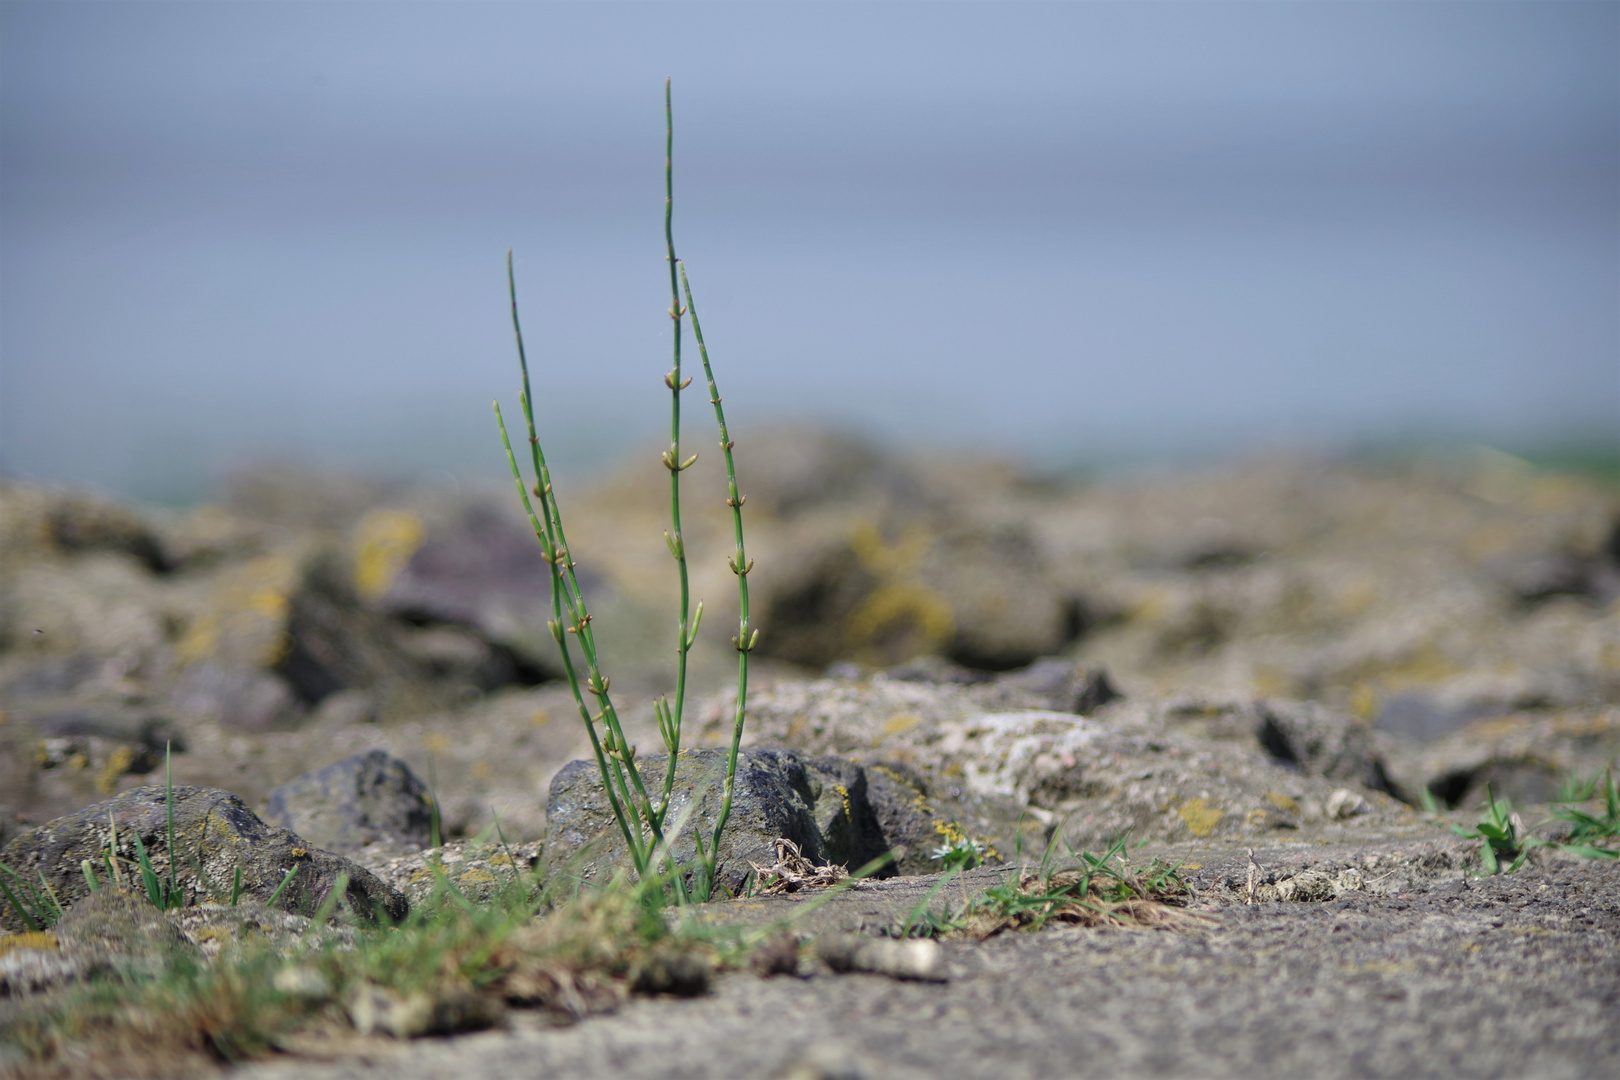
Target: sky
x: 1063, y: 231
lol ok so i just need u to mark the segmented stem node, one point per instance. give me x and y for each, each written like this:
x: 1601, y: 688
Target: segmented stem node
x: 639, y: 815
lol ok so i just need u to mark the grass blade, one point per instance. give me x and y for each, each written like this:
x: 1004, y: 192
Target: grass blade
x: 280, y: 888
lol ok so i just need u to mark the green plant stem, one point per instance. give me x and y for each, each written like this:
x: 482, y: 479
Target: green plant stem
x: 168, y: 783
x: 567, y: 593
x: 282, y: 887
x: 609, y: 770
x: 746, y: 637
x: 670, y: 716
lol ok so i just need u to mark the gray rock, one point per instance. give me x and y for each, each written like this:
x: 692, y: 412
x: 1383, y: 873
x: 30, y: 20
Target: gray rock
x: 916, y: 822
x: 216, y: 834
x: 243, y: 698
x: 364, y: 800
x: 117, y: 921
x: 485, y: 572
x: 135, y: 725
x: 978, y: 595
x: 819, y: 805
x: 1065, y: 685
x: 1321, y: 742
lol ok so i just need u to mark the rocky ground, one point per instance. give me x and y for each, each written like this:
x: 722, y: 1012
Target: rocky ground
x: 1283, y: 655
x: 1506, y: 977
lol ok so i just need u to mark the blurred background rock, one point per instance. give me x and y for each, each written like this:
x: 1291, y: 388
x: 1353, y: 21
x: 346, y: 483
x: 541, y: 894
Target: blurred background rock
x: 1163, y: 342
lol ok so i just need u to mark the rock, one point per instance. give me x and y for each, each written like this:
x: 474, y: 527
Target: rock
x: 334, y: 643
x: 31, y: 963
x: 299, y: 498
x: 855, y: 591
x: 442, y: 1011
x: 102, y: 603
x: 920, y: 825
x: 1320, y: 742
x: 216, y: 834
x: 27, y: 679
x: 293, y: 617
x: 820, y: 806
x: 1344, y: 803
x: 134, y: 725
x: 986, y: 755
x: 346, y: 708
x: 485, y: 572
x: 918, y: 959
x: 19, y: 766
x: 364, y: 800
x: 479, y: 871
x: 75, y: 523
x: 932, y: 669
x: 113, y: 921
x: 1065, y: 685
x: 799, y: 469
x: 240, y: 698
x: 1524, y: 758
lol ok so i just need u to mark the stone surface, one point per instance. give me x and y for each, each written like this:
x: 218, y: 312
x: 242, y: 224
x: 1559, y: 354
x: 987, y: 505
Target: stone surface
x: 216, y: 834
x: 820, y: 805
x: 1502, y: 977
x: 478, y: 870
x: 365, y: 800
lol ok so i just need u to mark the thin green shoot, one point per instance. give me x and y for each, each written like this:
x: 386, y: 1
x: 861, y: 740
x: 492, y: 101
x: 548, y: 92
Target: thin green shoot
x: 1586, y: 829
x: 282, y: 887
x: 435, y: 838
x: 1577, y: 789
x: 746, y: 638
x: 156, y: 888
x: 236, y: 885
x: 639, y: 815
x: 669, y: 716
x: 1426, y: 799
x: 168, y: 785
x: 1498, y: 832
x: 330, y: 902
x: 923, y: 921
x: 50, y: 895
x: 89, y: 875
x: 27, y: 914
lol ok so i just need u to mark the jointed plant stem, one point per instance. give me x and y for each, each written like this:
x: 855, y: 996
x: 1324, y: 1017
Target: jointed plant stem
x: 611, y: 774
x: 669, y: 717
x: 740, y: 565
x: 640, y: 818
x: 613, y: 751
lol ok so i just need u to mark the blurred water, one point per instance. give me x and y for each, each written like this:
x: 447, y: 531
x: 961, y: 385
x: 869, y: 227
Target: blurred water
x: 1067, y: 231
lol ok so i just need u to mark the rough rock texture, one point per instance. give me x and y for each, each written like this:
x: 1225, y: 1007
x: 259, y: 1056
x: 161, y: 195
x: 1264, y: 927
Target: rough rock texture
x: 478, y: 870
x: 216, y: 834
x: 364, y: 800
x: 482, y: 570
x: 1148, y: 770
x: 1504, y: 977
x: 1462, y: 610
x: 819, y: 804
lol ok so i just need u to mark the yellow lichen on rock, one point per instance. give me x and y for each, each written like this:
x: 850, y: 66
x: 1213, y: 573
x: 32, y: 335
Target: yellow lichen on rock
x: 1201, y: 818
x: 384, y: 542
